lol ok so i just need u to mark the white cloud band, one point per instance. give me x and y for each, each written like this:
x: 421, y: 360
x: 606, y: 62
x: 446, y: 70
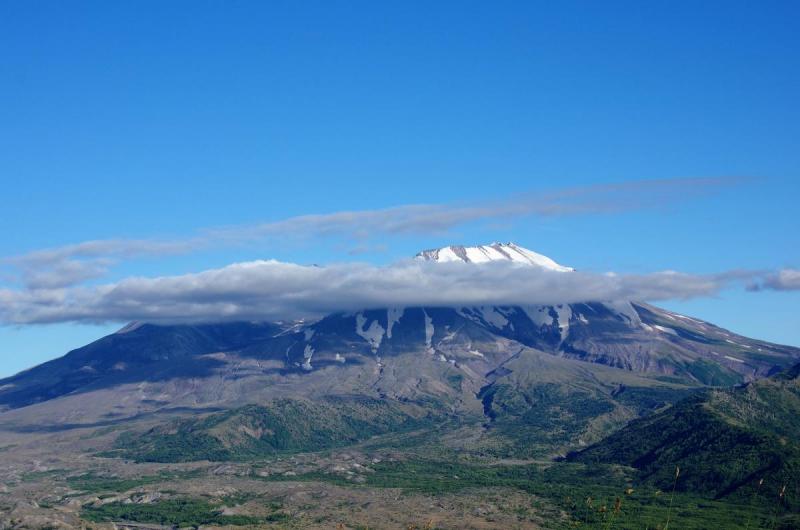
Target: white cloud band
x: 272, y: 290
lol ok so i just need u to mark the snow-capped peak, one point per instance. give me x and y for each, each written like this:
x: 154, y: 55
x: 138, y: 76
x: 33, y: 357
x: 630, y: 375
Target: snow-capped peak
x: 493, y: 252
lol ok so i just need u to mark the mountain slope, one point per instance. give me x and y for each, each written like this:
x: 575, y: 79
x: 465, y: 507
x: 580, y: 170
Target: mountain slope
x: 283, y: 425
x: 724, y: 441
x: 628, y: 335
x: 136, y: 352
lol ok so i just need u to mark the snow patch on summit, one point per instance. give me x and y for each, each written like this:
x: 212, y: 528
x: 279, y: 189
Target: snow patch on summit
x: 393, y: 315
x: 373, y: 334
x: 428, y: 331
x: 663, y: 329
x: 626, y: 311
x: 539, y: 315
x: 308, y: 352
x: 493, y: 316
x: 494, y: 252
x: 564, y: 313
x: 485, y: 314
x: 131, y: 326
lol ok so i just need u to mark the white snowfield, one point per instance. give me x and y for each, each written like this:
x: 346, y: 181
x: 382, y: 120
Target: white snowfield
x: 493, y: 252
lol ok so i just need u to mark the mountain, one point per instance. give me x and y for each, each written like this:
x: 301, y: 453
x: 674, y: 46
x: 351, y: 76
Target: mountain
x: 404, y: 353
x: 723, y: 440
x: 494, y: 252
x: 626, y: 334
x: 178, y: 423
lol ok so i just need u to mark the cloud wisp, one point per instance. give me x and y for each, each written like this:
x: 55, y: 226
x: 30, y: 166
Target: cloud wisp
x: 783, y: 280
x: 54, y: 285
x: 272, y: 290
x: 73, y: 264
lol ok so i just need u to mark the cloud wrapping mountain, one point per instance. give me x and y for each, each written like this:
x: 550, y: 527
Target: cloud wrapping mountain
x: 269, y: 290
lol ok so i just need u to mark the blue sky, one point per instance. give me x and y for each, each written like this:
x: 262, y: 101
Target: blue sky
x: 159, y: 119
